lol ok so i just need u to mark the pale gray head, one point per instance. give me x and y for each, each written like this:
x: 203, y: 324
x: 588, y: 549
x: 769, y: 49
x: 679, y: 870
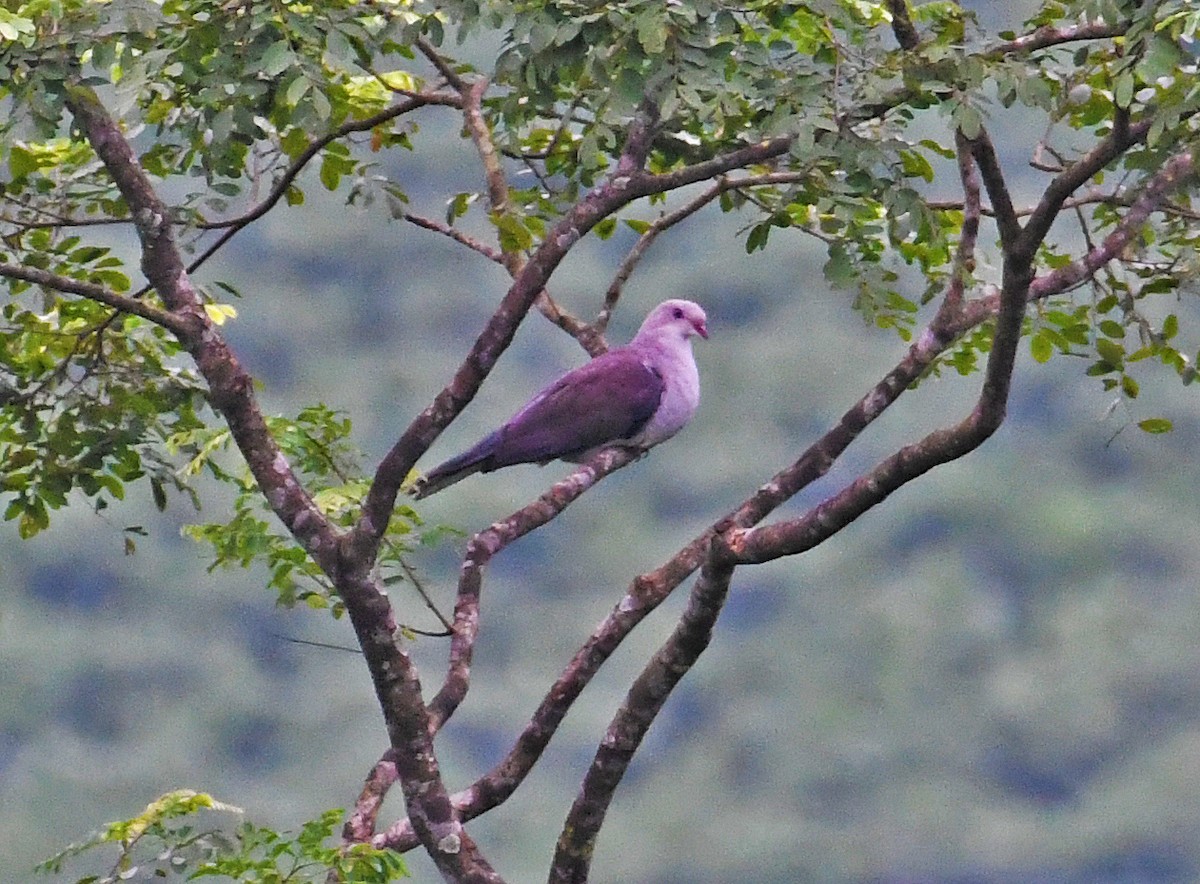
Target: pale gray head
x: 677, y: 316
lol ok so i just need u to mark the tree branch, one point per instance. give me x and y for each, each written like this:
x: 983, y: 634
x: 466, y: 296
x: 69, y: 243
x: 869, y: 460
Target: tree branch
x: 231, y: 388
x: 964, y: 256
x: 1048, y: 36
x: 669, y: 220
x: 984, y: 153
x: 497, y: 182
x: 643, y: 702
x: 179, y: 326
x: 1074, y: 177
x: 234, y: 226
x: 902, y: 26
x: 760, y: 544
x: 497, y: 191
x: 457, y: 235
x: 360, y: 825
x: 232, y: 393
x: 484, y: 546
x: 1174, y: 172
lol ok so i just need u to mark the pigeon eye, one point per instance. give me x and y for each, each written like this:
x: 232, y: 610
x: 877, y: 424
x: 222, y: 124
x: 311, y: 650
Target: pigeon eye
x: 677, y: 313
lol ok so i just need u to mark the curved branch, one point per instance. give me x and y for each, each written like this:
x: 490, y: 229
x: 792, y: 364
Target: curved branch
x: 360, y: 825
x: 1074, y: 177
x: 1174, y: 172
x: 183, y: 329
x: 232, y: 393
x: 497, y: 191
x: 765, y: 543
x: 233, y: 226
x: 643, y: 702
x: 795, y: 536
x: 647, y: 238
x: 497, y: 182
x: 484, y: 546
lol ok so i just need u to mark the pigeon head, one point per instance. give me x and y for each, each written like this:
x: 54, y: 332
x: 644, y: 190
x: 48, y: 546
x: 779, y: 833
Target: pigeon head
x: 675, y: 317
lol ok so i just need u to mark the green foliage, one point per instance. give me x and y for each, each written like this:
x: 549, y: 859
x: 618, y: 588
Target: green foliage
x: 176, y: 69
x: 229, y: 106
x: 224, y: 100
x: 317, y: 444
x: 87, y: 400
x: 160, y: 843
x: 568, y: 79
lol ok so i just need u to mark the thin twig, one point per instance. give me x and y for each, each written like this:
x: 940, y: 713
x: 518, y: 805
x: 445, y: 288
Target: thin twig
x: 233, y: 226
x: 964, y: 257
x: 457, y: 235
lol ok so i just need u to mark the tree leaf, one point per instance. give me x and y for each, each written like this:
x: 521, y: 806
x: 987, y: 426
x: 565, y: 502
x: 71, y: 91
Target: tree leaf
x: 1156, y: 425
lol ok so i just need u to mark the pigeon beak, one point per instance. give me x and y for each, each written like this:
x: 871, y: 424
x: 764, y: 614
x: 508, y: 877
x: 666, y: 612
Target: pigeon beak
x: 701, y: 329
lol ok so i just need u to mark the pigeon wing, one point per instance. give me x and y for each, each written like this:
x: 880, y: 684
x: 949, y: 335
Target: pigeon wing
x: 608, y: 400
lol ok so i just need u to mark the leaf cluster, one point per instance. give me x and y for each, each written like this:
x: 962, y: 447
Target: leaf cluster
x: 317, y: 443
x: 164, y: 841
x: 88, y: 398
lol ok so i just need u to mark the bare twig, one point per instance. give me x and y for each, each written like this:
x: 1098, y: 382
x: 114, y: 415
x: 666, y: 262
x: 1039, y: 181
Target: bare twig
x: 724, y: 184
x: 443, y: 65
x: 233, y: 226
x: 55, y: 220
x: 1074, y: 177
x: 457, y: 235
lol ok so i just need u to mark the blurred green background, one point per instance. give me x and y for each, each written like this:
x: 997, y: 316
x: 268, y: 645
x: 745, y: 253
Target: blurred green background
x: 992, y: 677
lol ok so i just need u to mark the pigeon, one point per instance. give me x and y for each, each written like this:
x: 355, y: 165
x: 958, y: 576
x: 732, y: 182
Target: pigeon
x: 635, y: 396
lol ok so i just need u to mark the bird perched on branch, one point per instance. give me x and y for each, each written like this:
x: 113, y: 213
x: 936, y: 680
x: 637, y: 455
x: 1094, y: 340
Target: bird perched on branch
x: 636, y: 396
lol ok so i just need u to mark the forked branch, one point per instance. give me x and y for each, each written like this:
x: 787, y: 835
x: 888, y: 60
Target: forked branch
x: 484, y: 546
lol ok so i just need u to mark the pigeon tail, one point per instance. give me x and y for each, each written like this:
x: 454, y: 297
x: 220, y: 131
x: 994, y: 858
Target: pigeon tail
x: 473, y: 460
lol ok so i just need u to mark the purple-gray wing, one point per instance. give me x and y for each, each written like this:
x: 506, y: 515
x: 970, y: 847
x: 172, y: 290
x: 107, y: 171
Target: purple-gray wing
x: 609, y: 399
